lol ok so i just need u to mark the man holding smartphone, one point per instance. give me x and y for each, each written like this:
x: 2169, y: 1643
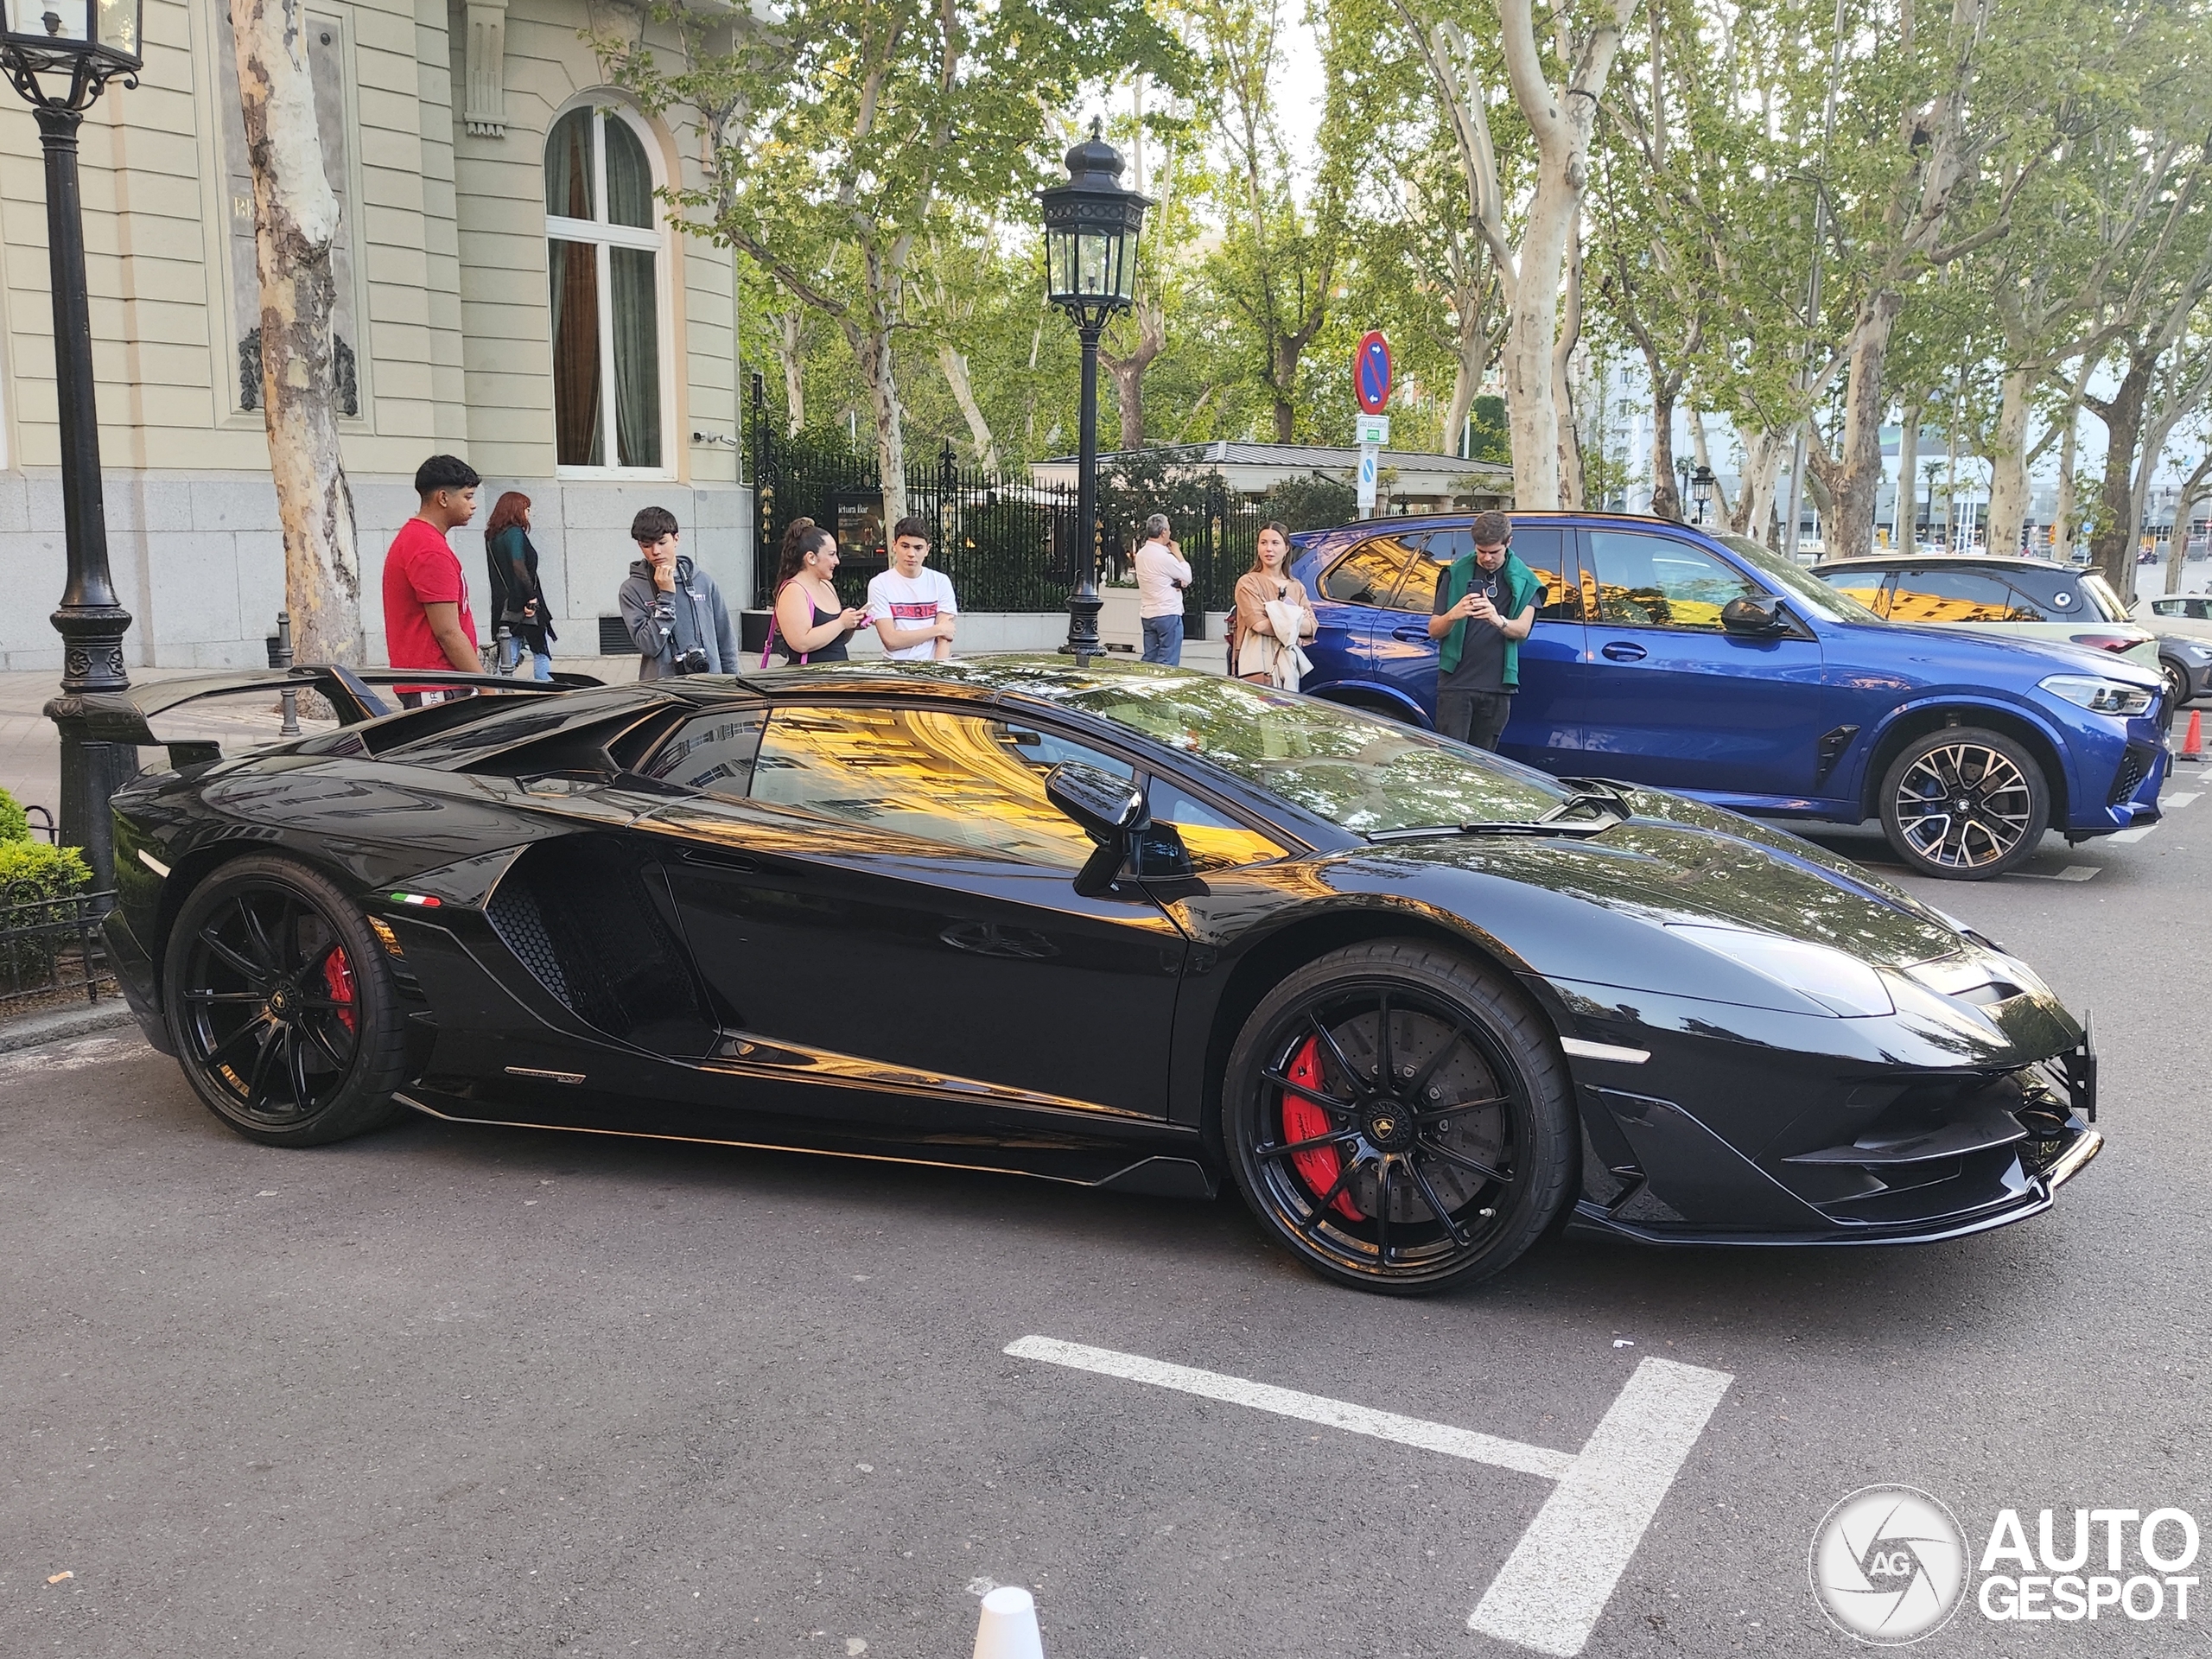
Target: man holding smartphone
x: 1484, y: 608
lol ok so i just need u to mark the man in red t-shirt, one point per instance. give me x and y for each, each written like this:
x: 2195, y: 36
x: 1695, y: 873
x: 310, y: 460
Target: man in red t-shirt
x: 426, y: 621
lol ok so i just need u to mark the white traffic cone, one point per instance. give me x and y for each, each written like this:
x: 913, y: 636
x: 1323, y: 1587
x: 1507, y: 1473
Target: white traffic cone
x: 1009, y: 1627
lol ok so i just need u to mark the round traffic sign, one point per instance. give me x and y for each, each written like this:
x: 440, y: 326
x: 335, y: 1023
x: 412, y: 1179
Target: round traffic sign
x: 1370, y: 372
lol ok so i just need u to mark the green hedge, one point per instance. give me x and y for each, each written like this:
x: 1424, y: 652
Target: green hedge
x: 14, y: 826
x: 32, y: 875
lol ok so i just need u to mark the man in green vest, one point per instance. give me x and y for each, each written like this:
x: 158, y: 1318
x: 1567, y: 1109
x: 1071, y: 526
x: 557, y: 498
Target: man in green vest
x: 1484, y: 608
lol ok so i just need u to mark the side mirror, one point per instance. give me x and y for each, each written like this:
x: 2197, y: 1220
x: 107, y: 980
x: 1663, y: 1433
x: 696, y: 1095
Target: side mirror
x: 1753, y: 616
x: 1109, y: 809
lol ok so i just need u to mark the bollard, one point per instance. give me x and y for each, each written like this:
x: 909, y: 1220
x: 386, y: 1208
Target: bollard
x: 287, y: 696
x: 1008, y: 1630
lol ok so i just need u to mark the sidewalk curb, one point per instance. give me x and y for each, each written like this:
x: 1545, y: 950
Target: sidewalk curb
x: 106, y: 1014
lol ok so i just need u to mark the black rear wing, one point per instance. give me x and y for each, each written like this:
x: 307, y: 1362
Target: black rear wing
x: 352, y: 692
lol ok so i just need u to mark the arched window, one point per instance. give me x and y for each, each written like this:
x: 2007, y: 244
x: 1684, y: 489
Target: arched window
x: 604, y: 247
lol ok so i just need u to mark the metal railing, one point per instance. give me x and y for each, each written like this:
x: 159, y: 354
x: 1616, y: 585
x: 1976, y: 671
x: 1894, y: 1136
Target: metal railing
x: 50, y: 946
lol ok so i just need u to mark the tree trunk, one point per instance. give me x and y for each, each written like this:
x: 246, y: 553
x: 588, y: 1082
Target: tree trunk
x: 1573, y: 481
x: 1129, y: 369
x: 955, y: 366
x: 2184, y: 510
x: 2111, y: 550
x: 295, y: 221
x: 1905, y: 512
x: 1285, y: 352
x: 1754, y: 508
x: 793, y: 359
x: 873, y: 352
x: 1666, y: 495
x: 2008, y: 466
x: 1854, y: 481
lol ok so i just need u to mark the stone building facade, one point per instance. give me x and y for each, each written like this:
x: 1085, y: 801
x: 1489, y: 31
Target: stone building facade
x: 510, y: 291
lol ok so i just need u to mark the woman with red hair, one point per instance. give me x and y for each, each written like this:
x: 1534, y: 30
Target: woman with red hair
x: 518, y: 599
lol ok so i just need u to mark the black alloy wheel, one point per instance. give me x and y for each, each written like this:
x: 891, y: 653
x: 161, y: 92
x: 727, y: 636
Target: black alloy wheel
x: 1400, y: 1117
x: 281, y: 1006
x: 1965, y: 804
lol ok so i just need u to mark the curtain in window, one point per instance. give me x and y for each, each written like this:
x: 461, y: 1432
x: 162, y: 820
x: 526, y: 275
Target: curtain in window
x: 629, y: 178
x: 568, y: 166
x: 637, y: 354
x: 578, y: 440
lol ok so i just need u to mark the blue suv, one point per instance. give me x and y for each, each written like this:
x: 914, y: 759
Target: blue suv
x: 1707, y: 665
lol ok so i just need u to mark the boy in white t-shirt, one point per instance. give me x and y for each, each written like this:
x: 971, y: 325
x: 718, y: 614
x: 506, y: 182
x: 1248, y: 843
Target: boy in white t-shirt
x: 913, y: 608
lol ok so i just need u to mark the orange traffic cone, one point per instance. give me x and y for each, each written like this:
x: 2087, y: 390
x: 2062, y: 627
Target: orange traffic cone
x: 2192, y: 742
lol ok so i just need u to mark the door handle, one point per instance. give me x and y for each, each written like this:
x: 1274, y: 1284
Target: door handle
x: 1621, y: 651
x: 1411, y: 635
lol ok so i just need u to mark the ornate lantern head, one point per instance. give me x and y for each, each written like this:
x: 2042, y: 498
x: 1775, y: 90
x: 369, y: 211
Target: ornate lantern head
x: 1091, y: 227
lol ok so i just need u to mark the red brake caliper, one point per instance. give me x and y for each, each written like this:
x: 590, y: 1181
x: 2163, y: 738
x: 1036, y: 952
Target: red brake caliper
x: 338, y: 979
x: 1303, y: 1120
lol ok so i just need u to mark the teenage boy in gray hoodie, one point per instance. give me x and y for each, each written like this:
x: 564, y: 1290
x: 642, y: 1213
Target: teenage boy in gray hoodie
x: 673, y: 610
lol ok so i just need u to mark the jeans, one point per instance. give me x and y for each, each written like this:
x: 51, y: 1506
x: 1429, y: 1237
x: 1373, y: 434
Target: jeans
x: 1476, y: 717
x: 541, y: 665
x: 1163, y: 640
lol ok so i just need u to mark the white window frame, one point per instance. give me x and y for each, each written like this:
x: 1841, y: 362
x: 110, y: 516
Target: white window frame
x: 602, y: 237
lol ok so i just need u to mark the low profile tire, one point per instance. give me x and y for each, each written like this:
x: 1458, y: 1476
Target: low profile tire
x: 2176, y: 688
x: 1965, y: 804
x: 281, y: 1004
x: 1400, y: 1117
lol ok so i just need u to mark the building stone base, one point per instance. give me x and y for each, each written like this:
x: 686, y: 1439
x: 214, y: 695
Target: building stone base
x: 197, y: 558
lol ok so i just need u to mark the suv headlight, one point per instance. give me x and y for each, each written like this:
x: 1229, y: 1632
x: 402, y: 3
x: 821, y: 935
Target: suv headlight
x: 2100, y: 695
x: 1839, y: 983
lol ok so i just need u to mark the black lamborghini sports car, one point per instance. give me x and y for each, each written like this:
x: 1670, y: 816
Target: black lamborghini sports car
x: 1120, y: 926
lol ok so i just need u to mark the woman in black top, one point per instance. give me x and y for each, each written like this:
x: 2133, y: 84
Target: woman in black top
x: 811, y: 623
x: 518, y: 599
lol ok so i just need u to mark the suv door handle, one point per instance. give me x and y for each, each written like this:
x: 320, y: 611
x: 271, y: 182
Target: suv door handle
x: 1412, y: 635
x: 1621, y: 651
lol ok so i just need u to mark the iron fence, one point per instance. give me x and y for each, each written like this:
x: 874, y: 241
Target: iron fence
x: 1007, y: 543
x: 50, y: 946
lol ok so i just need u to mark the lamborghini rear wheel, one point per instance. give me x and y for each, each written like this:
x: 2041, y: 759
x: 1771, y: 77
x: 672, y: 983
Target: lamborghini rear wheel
x: 1398, y: 1116
x: 281, y: 1004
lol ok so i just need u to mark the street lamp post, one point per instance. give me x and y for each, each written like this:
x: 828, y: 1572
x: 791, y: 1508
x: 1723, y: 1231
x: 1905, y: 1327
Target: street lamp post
x: 89, y: 42
x: 1701, y: 483
x: 1091, y: 227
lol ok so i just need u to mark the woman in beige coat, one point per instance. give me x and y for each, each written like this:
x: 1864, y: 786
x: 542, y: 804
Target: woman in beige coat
x: 1272, y: 617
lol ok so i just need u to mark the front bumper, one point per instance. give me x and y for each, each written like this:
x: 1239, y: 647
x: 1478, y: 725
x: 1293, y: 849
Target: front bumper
x: 133, y: 972
x: 1748, y: 1126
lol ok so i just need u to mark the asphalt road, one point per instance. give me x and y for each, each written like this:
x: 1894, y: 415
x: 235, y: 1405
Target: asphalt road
x: 447, y: 1390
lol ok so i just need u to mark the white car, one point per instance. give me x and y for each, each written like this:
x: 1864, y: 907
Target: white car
x: 2183, y: 623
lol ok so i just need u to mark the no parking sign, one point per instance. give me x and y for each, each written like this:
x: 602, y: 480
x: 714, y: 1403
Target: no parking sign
x: 1370, y: 372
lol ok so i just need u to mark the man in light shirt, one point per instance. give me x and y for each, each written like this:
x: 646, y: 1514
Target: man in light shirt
x: 1162, y: 575
x: 914, y: 612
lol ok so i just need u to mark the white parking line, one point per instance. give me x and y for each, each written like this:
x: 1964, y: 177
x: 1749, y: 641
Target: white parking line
x: 2071, y: 872
x: 2126, y: 837
x: 2180, y: 800
x: 1552, y: 1588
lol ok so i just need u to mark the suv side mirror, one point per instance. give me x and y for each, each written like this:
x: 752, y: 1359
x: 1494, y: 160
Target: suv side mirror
x: 1109, y: 809
x: 1753, y: 616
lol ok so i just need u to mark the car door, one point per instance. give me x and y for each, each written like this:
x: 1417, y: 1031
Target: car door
x: 1352, y: 604
x: 891, y: 897
x: 1546, y: 729
x: 1676, y: 700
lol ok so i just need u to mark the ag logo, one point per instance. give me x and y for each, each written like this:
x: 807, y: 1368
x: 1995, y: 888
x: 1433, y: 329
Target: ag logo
x: 1888, y: 1565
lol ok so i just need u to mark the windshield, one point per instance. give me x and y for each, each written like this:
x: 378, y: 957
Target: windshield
x: 1799, y: 583
x: 1358, y: 770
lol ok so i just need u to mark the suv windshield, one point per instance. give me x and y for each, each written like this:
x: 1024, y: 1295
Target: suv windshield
x: 1364, y: 773
x: 1801, y: 585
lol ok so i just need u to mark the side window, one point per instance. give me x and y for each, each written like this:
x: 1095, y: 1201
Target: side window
x: 1213, y: 840
x: 2026, y: 608
x: 1434, y: 555
x: 1368, y: 574
x: 713, y: 754
x: 956, y: 779
x: 1655, y: 582
x: 1543, y: 549
x: 1870, y: 588
x: 1949, y: 596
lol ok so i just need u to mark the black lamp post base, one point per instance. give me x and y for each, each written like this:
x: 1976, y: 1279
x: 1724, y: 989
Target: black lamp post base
x: 1083, y: 627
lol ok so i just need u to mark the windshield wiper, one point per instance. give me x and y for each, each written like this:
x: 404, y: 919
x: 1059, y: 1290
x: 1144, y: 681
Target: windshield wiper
x: 1611, y: 810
